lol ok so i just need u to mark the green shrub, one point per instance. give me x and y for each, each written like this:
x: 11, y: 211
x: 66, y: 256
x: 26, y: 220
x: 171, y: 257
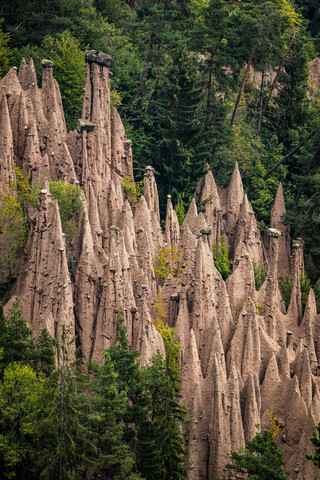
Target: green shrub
x: 236, y: 310
x: 70, y: 199
x: 260, y: 273
x: 285, y: 287
x: 72, y: 266
x: 132, y: 191
x: 220, y: 258
x: 259, y: 308
x: 16, y: 199
x: 167, y: 262
x: 179, y: 208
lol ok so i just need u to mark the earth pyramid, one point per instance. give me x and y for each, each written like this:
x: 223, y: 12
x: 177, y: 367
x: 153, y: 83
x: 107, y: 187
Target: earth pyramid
x: 243, y: 355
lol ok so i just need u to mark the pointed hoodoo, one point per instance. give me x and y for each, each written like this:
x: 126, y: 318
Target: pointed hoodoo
x: 236, y: 427
x: 208, y: 202
x: 52, y: 103
x: 247, y: 231
x: 150, y: 192
x: 27, y: 75
x: 96, y: 107
x: 10, y: 86
x: 270, y: 384
x: 172, y: 233
x: 276, y: 221
x: 195, y: 222
x: 240, y: 284
x: 251, y: 414
x: 272, y: 300
x: 121, y: 151
x: 43, y: 284
x: 219, y: 439
x: 6, y: 144
x: 295, y: 306
x: 307, y: 329
x: 234, y: 198
x: 244, y: 349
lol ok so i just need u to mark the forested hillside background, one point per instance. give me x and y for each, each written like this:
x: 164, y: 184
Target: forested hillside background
x: 195, y: 81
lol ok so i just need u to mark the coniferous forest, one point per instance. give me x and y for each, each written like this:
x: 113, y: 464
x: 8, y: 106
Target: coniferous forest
x: 195, y: 82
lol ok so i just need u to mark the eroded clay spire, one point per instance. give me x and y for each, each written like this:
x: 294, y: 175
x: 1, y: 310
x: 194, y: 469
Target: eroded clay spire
x: 276, y: 221
x: 172, y: 233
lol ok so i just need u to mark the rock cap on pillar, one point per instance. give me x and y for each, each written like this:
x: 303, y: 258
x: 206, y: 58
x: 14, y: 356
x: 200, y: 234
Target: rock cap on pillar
x: 273, y: 232
x: 93, y: 56
x: 47, y: 63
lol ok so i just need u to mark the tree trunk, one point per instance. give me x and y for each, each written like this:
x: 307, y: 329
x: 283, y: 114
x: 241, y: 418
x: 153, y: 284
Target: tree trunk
x: 209, y: 85
x: 276, y: 76
x: 62, y: 388
x: 261, y: 102
x: 244, y: 81
x: 145, y: 69
x: 288, y: 155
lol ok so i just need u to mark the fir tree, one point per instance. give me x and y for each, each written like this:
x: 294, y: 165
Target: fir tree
x: 109, y: 406
x: 130, y: 380
x: 261, y: 459
x: 184, y: 144
x: 15, y: 337
x: 66, y: 447
x: 315, y: 439
x: 168, y: 415
x: 18, y: 345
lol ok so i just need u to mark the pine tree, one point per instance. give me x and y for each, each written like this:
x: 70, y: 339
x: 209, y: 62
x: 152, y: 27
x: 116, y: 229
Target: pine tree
x: 66, y: 447
x: 315, y: 439
x: 109, y: 406
x: 19, y: 346
x: 184, y: 144
x: 5, y: 51
x: 167, y: 413
x: 130, y: 380
x: 15, y: 337
x: 21, y: 411
x: 261, y: 458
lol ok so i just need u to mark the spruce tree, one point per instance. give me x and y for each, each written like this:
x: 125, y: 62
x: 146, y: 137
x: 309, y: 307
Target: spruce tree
x: 19, y: 346
x: 66, y: 447
x: 315, y: 439
x: 15, y: 337
x: 114, y: 458
x: 168, y: 415
x: 260, y: 459
x: 130, y: 380
x: 184, y: 143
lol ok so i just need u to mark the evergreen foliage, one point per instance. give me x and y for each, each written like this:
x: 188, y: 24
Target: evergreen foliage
x: 69, y: 68
x: 21, y: 410
x: 166, y: 409
x: 17, y: 197
x: 221, y: 258
x: 184, y: 142
x: 132, y: 191
x: 261, y: 459
x: 15, y: 337
x: 5, y: 51
x: 285, y: 287
x: 168, y: 262
x: 260, y: 274
x: 315, y: 439
x: 70, y: 200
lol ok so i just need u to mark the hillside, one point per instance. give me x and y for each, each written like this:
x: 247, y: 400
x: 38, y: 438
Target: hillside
x: 243, y: 354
